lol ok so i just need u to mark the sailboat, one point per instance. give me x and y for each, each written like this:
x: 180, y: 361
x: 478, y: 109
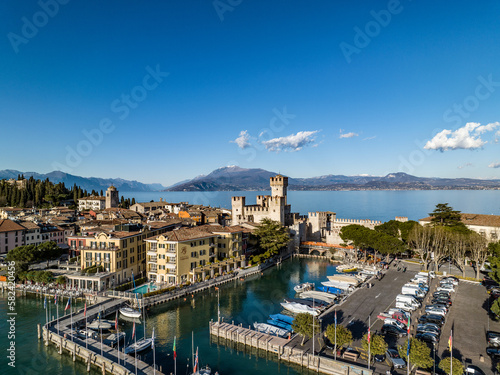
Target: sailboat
x: 200, y: 371
x: 141, y: 345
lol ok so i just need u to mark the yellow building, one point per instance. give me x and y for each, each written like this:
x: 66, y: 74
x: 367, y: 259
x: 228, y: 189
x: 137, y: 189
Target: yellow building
x: 193, y: 254
x: 121, y: 251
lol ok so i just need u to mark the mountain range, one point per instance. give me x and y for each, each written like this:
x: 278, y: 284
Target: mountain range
x: 86, y: 183
x: 234, y: 178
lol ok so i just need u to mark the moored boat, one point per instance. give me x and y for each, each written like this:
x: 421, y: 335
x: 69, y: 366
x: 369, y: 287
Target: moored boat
x: 114, y: 338
x: 271, y: 330
x: 321, y: 296
x: 311, y: 303
x: 130, y: 312
x: 139, y: 346
x: 298, y: 308
x: 303, y: 287
x: 350, y: 279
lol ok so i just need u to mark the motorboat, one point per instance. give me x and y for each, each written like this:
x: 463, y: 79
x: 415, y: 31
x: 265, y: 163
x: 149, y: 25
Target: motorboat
x: 281, y: 321
x: 337, y: 284
x: 298, y: 308
x: 102, y: 324
x: 130, y: 312
x: 352, y: 280
x: 271, y: 330
x: 346, y: 268
x: 307, y: 302
x: 321, y: 296
x: 303, y: 287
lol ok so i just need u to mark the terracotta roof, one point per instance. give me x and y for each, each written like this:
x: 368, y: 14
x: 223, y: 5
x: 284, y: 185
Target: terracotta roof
x: 476, y: 219
x: 29, y: 225
x: 7, y: 225
x: 186, y: 234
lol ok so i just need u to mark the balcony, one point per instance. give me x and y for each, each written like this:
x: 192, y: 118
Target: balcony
x: 152, y: 260
x: 170, y: 266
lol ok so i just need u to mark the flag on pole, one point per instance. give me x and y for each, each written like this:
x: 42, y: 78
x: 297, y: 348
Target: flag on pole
x: 368, y: 335
x: 175, y: 352
x: 195, y: 368
x: 335, y: 317
x: 85, y: 310
x: 408, y: 326
x: 99, y: 315
x: 216, y: 288
x: 116, y: 321
x: 68, y: 305
x: 133, y: 330
x: 408, y: 348
x: 153, y: 339
x: 45, y: 303
x: 133, y: 281
x: 450, y: 340
x: 55, y: 299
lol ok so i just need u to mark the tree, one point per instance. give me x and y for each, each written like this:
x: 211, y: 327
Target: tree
x: 495, y: 308
x: 344, y: 335
x: 272, y: 237
x: 420, y: 354
x: 377, y: 344
x: 303, y: 325
x: 61, y: 280
x: 444, y: 215
x: 420, y: 239
x: 445, y: 365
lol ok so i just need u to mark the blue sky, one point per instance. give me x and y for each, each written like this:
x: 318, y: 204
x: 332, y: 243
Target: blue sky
x: 161, y: 91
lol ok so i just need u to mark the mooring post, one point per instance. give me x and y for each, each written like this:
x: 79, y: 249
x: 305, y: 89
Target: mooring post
x: 39, y: 330
x: 47, y: 336
x: 88, y: 363
x: 61, y: 345
x: 103, y: 368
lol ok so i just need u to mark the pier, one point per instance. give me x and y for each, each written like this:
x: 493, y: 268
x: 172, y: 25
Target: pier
x: 285, y: 350
x: 108, y: 362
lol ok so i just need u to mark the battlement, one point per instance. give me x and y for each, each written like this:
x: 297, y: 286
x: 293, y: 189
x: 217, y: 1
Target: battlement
x: 402, y: 219
x: 364, y: 222
x: 279, y: 180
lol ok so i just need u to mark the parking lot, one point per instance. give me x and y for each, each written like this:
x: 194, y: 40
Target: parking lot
x: 468, y: 316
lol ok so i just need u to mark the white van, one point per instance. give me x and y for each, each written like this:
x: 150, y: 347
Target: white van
x: 405, y: 306
x: 394, y: 322
x: 409, y: 299
x: 410, y: 290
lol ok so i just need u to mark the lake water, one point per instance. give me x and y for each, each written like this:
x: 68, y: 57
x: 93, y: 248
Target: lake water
x: 380, y: 205
x: 246, y: 302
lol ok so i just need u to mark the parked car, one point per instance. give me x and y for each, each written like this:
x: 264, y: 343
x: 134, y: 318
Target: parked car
x: 441, y: 301
x: 442, y: 294
x: 436, y: 311
x: 493, y: 338
x: 427, y: 337
x: 432, y: 326
x: 379, y: 357
x: 446, y: 288
x: 394, y: 358
x: 473, y: 370
x: 493, y: 352
x: 488, y: 282
x: 429, y: 330
x: 388, y: 329
x: 450, y: 279
x: 431, y: 318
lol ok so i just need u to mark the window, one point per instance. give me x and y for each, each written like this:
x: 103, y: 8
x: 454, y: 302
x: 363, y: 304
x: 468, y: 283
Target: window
x: 193, y: 265
x: 194, y: 254
x: 171, y: 247
x: 132, y: 240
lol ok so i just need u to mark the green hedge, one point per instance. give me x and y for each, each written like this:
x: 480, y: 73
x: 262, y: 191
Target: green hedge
x: 159, y: 291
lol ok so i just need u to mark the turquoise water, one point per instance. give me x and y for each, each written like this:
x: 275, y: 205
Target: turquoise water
x: 376, y: 204
x: 246, y: 302
x: 144, y: 289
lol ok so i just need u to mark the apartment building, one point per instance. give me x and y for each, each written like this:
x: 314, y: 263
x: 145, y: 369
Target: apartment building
x: 11, y: 235
x: 192, y: 254
x: 120, y: 250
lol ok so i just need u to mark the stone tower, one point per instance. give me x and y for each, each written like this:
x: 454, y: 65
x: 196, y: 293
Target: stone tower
x: 112, y: 197
x: 279, y: 184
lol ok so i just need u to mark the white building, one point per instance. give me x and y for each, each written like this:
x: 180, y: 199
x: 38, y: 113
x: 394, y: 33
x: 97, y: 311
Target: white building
x: 486, y: 225
x: 93, y: 203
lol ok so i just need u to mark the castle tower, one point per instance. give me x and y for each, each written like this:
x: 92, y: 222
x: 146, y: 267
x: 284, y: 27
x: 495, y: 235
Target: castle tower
x: 279, y: 184
x: 112, y: 197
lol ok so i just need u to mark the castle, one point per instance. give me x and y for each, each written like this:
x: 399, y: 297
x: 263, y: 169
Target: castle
x: 272, y: 206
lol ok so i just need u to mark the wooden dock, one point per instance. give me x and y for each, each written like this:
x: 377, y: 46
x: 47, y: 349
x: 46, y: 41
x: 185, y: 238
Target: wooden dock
x: 90, y: 351
x: 284, y: 349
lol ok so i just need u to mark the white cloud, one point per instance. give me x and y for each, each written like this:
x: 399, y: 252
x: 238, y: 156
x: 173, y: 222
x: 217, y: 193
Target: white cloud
x: 465, y: 138
x: 464, y: 165
x: 292, y: 142
x: 348, y: 135
x: 368, y: 138
x: 243, y: 140
x: 494, y: 165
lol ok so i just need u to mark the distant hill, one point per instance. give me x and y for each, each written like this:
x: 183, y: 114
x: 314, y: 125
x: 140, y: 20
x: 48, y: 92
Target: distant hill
x: 87, y: 183
x: 235, y: 178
